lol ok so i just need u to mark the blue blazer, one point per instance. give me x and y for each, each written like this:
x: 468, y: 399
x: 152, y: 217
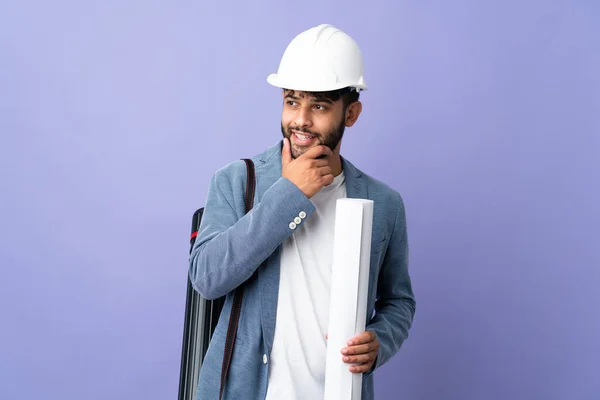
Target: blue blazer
x: 231, y: 245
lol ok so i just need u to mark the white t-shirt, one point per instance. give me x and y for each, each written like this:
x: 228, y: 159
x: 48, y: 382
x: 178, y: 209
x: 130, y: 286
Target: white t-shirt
x: 298, y: 357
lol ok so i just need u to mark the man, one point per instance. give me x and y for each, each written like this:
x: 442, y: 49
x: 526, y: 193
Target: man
x: 280, y: 348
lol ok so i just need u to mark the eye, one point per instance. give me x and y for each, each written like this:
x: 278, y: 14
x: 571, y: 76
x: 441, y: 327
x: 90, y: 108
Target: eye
x: 291, y: 103
x: 320, y: 107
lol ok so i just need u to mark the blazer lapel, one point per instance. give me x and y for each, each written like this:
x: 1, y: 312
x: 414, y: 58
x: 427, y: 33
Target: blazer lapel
x: 355, y: 187
x: 268, y: 171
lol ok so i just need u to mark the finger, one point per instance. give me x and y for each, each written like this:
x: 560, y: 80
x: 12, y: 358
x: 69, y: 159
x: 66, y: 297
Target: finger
x: 365, y: 337
x: 360, y: 349
x: 327, y: 180
x: 325, y: 170
x: 286, y: 154
x: 359, y: 359
x: 317, y: 151
x: 361, y: 369
x: 318, y: 163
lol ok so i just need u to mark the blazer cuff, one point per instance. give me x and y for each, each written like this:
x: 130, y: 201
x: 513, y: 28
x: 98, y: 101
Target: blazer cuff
x: 290, y: 206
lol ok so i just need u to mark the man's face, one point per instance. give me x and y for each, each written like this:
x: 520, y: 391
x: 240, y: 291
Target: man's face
x: 309, y: 121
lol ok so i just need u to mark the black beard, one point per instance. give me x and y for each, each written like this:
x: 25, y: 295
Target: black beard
x: 332, y: 139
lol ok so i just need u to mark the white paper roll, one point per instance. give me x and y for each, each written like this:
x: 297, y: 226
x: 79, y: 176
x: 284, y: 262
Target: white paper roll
x: 349, y: 287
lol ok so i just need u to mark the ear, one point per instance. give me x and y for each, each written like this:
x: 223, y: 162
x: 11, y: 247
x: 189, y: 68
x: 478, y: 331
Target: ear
x: 352, y: 113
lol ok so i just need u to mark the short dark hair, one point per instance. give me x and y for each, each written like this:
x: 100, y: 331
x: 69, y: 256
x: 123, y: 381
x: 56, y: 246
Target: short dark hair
x: 348, y: 95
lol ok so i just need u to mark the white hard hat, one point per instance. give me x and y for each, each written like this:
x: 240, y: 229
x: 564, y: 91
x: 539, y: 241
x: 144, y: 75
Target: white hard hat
x: 320, y: 59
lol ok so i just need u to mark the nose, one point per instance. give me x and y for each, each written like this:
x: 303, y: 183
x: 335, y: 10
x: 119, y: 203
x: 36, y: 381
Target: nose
x: 303, y: 118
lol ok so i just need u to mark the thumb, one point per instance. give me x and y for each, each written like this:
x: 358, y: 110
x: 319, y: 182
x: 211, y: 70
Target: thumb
x: 286, y: 155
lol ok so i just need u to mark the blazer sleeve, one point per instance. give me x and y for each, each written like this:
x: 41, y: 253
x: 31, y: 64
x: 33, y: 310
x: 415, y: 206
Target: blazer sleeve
x: 229, y: 248
x: 395, y: 305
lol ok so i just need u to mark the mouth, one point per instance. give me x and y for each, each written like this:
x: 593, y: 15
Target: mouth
x: 302, y: 138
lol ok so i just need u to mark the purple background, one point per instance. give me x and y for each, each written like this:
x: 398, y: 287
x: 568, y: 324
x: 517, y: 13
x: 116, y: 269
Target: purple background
x: 484, y: 115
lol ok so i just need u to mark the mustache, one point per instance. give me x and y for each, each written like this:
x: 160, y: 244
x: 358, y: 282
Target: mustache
x: 303, y: 130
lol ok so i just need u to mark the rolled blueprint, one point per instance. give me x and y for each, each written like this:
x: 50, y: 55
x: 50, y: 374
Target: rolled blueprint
x: 349, y: 287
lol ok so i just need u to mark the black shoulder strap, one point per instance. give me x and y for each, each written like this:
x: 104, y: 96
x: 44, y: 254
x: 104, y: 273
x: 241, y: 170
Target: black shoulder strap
x: 239, y: 291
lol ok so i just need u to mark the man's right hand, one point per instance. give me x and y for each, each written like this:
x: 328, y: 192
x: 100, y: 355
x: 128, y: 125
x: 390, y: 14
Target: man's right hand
x: 307, y: 172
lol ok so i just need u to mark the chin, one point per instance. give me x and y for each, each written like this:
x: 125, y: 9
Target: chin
x: 296, y: 152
